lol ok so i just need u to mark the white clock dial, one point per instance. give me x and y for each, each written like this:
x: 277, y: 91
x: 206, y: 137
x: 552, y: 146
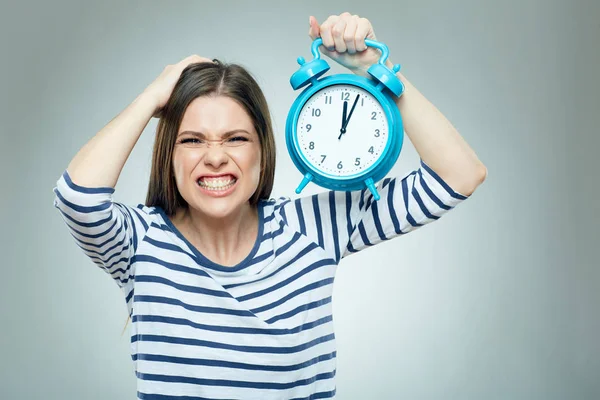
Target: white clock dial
x: 339, y: 142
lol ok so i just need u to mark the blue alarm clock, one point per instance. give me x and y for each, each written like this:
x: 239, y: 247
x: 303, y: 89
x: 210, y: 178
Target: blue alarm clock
x: 344, y: 132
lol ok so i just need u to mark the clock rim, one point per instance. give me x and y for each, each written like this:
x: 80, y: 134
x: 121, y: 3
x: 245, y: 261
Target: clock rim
x: 380, y: 166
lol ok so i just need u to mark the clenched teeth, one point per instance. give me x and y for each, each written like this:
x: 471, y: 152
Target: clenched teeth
x: 216, y: 183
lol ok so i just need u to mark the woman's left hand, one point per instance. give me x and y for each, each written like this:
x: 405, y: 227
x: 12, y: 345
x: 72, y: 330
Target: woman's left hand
x: 344, y: 41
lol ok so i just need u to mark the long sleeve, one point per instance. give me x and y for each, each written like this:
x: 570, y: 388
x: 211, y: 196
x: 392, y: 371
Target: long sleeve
x: 343, y: 223
x: 108, y: 232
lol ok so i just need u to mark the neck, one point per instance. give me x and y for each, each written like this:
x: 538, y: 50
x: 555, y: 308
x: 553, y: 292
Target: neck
x: 226, y: 240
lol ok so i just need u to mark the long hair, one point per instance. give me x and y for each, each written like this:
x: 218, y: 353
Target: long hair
x: 208, y: 79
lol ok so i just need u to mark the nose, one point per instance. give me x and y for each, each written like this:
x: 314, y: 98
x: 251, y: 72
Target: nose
x: 215, y: 156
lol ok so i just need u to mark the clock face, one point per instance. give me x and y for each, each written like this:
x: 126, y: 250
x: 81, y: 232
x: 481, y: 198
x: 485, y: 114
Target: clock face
x: 342, y: 130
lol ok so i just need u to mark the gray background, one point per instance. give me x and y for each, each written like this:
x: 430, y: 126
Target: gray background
x: 497, y: 300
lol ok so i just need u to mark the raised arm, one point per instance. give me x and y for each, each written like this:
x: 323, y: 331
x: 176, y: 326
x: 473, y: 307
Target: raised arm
x: 109, y: 232
x: 100, y: 161
x: 438, y: 143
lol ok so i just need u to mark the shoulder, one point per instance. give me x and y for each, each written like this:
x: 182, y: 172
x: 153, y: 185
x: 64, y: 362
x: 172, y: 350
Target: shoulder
x: 146, y: 215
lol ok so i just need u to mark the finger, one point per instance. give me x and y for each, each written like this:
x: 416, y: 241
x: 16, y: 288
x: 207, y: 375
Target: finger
x: 326, y: 35
x: 338, y: 35
x: 194, y: 58
x: 313, y: 30
x: 363, y: 31
x: 350, y: 35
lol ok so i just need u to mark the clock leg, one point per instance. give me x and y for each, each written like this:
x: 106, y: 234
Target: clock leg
x: 371, y: 185
x: 307, y: 178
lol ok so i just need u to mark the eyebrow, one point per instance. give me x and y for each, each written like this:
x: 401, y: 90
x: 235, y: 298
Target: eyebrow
x: 225, y: 135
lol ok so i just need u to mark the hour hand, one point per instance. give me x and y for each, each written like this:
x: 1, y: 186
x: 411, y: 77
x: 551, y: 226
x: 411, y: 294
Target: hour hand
x: 343, y: 129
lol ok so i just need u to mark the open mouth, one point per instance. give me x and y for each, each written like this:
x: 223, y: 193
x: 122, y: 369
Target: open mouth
x: 219, y: 184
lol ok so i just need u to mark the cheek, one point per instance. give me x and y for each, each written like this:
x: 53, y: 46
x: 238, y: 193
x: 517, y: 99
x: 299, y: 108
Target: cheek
x: 183, y: 163
x: 255, y: 166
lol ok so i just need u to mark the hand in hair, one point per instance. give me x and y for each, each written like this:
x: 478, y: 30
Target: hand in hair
x: 344, y: 41
x: 163, y: 85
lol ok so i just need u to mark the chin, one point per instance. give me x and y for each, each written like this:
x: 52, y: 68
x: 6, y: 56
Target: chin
x: 218, y: 207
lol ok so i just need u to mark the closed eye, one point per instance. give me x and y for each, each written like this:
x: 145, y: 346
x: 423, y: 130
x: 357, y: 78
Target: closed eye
x: 189, y: 140
x: 239, y: 137
x: 233, y: 139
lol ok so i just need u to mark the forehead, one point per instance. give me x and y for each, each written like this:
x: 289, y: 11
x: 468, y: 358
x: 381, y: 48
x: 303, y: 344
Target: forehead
x: 215, y: 115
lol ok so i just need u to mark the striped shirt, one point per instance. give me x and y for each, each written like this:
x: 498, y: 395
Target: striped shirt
x: 261, y: 329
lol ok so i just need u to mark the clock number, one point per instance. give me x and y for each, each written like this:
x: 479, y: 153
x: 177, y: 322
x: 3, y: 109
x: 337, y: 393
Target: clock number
x: 316, y: 112
x: 371, y: 150
x: 328, y: 99
x: 362, y: 101
x: 308, y: 127
x: 345, y: 96
x: 323, y: 160
x: 340, y: 166
x: 357, y: 161
x: 311, y: 145
x: 376, y: 132
x: 373, y: 115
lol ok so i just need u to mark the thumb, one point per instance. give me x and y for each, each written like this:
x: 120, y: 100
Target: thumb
x: 313, y: 31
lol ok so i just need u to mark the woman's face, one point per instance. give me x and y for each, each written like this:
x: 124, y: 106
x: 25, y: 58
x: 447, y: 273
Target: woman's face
x: 209, y: 117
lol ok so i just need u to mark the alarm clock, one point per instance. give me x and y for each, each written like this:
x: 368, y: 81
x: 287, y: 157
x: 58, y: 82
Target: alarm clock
x: 344, y: 132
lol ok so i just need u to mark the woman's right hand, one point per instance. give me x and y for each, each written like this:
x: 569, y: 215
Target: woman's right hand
x: 163, y: 86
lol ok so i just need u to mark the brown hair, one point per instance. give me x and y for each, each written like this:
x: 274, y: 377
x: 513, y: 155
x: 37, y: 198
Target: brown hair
x: 208, y: 79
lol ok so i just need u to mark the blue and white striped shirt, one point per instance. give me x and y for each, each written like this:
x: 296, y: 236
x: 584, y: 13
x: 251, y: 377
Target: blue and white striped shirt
x: 261, y: 329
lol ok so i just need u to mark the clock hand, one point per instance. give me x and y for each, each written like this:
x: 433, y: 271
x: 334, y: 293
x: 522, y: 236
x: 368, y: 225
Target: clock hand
x: 351, y: 111
x: 343, y: 130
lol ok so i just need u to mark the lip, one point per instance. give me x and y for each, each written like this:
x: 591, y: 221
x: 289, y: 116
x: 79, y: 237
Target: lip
x: 216, y: 175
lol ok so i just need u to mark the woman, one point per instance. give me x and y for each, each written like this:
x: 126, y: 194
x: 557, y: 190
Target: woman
x: 229, y: 290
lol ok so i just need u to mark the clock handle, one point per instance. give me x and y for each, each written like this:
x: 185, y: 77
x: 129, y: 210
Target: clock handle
x: 371, y: 185
x: 385, y: 52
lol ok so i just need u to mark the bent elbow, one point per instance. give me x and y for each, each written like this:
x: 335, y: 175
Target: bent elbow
x: 469, y: 186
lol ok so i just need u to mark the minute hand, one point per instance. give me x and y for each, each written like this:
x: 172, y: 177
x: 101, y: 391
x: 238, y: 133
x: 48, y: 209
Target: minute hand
x: 351, y: 111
